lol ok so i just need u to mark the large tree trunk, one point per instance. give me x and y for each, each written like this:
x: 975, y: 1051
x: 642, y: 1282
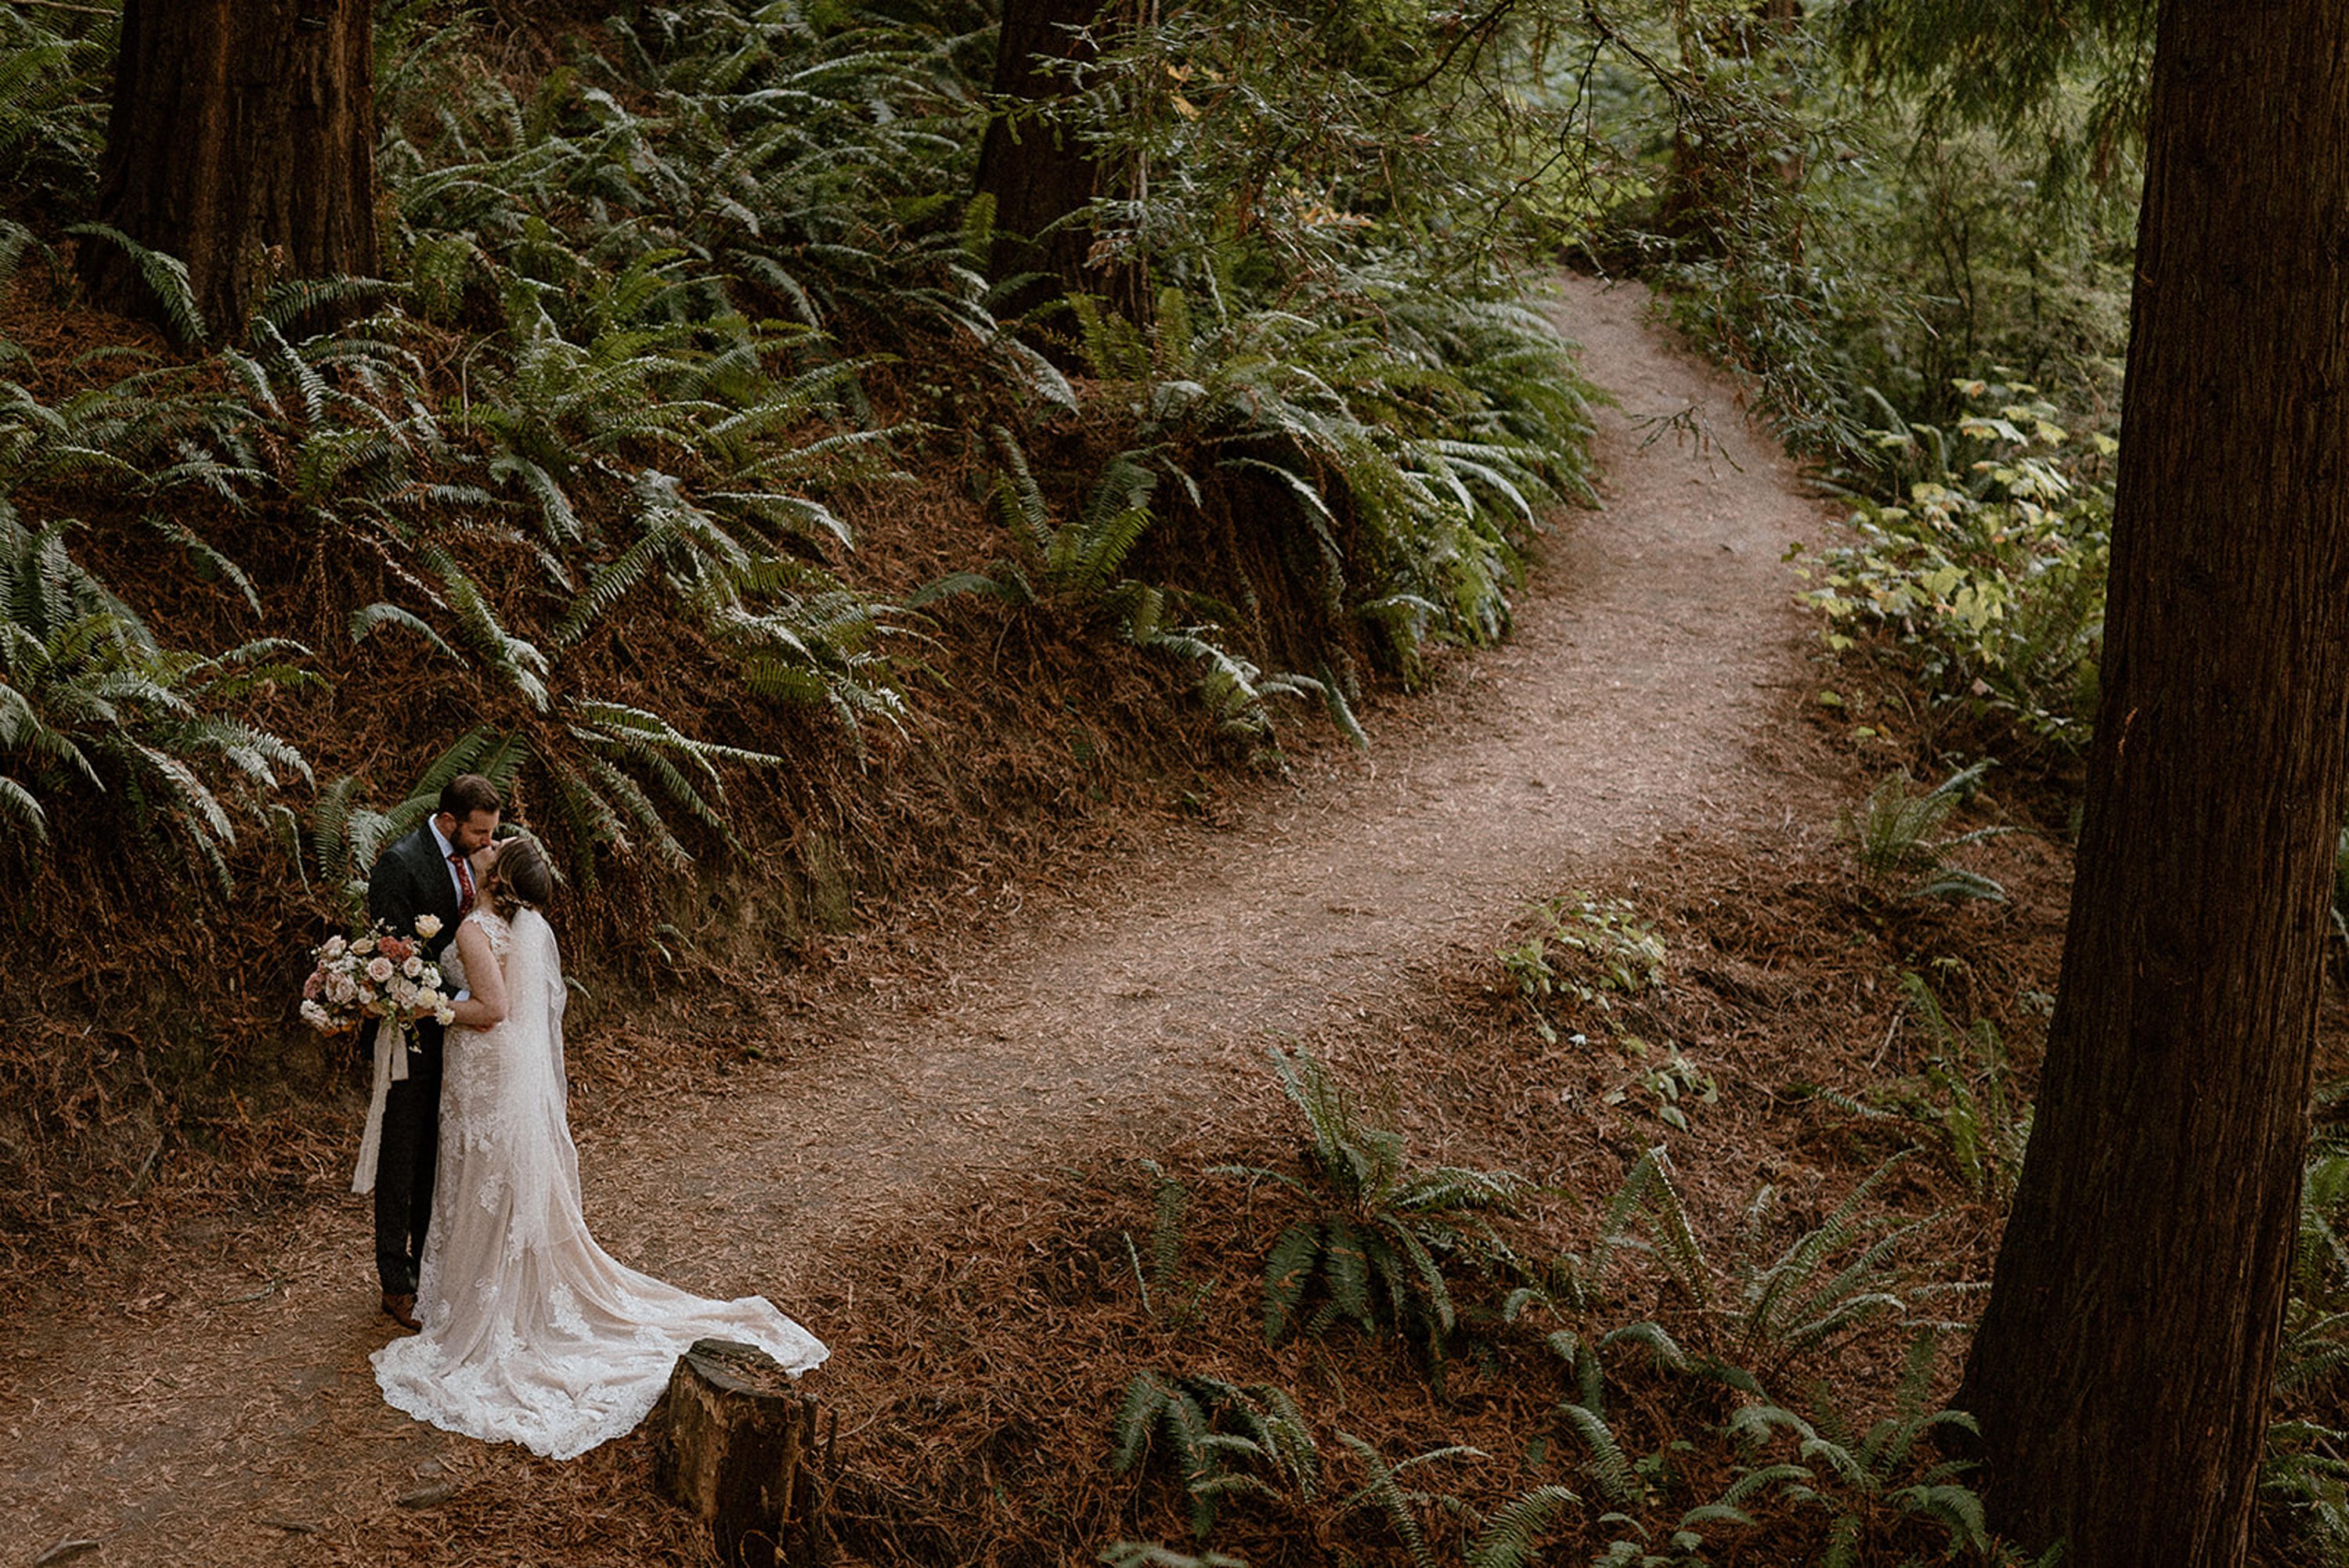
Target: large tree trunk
x: 1032, y: 163
x: 2122, y: 1370
x: 242, y: 141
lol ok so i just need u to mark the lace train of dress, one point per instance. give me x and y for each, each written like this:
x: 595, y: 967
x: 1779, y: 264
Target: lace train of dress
x: 533, y: 1334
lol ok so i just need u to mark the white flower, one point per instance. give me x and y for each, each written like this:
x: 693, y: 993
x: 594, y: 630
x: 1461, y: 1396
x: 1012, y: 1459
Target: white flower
x: 316, y: 1018
x: 428, y: 926
x: 413, y: 967
x: 444, y: 1014
x: 403, y: 994
x: 334, y: 948
x: 378, y: 970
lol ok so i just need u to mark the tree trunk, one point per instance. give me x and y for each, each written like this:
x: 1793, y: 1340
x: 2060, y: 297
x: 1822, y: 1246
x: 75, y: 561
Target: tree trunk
x: 736, y: 1442
x: 2123, y: 1367
x: 1032, y: 163
x: 242, y: 141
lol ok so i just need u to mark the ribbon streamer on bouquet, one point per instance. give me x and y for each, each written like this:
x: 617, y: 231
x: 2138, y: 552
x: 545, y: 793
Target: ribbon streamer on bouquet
x: 390, y: 1068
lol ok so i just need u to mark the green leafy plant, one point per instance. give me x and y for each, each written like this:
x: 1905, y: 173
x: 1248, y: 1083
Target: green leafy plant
x: 1384, y: 1493
x: 1893, y: 832
x: 1229, y: 1443
x: 1374, y: 1245
x: 52, y: 107
x: 1987, y: 1130
x: 1870, y: 1481
x: 1986, y: 582
x: 1511, y: 1536
x: 1168, y: 1292
x: 1643, y: 1515
x: 1223, y: 1439
x: 1593, y: 949
x: 90, y: 702
x: 1669, y: 1083
x: 1077, y: 565
x: 1833, y: 1279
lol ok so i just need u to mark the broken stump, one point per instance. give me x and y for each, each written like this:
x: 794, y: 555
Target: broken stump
x: 735, y: 1441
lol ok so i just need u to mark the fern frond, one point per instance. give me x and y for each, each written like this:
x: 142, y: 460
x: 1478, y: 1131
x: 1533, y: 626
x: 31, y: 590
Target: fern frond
x: 367, y: 617
x: 1383, y: 1492
x: 1609, y: 1466
x: 1145, y: 1402
x: 166, y: 276
x: 1511, y: 1534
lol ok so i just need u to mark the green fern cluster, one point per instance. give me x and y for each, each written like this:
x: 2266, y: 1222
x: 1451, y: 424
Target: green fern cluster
x: 1748, y: 1322
x: 612, y: 337
x: 1223, y: 1440
x: 1894, y: 834
x: 2304, y: 1472
x: 1731, y: 1326
x: 1229, y: 1444
x: 1076, y: 565
x: 1377, y: 1234
x: 1869, y: 1482
x: 94, y: 711
x: 622, y: 418
x: 53, y: 69
x: 1986, y: 1129
x: 777, y: 152
x: 1403, y: 445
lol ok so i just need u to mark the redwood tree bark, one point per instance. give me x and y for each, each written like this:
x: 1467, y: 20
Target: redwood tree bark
x: 2121, y: 1374
x: 1032, y: 163
x: 241, y: 140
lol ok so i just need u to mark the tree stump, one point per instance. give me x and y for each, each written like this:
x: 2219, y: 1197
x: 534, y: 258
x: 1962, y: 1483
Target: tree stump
x: 735, y: 1441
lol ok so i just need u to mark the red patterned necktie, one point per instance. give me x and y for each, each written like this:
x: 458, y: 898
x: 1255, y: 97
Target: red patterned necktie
x: 464, y: 882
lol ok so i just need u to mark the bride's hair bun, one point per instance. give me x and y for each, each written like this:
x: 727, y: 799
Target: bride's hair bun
x: 523, y: 876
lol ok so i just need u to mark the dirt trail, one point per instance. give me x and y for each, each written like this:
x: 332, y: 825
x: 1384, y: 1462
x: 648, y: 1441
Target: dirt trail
x: 1649, y: 658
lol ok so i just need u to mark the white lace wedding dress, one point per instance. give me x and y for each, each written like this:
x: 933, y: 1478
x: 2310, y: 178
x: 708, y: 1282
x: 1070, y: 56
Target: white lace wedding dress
x: 533, y: 1334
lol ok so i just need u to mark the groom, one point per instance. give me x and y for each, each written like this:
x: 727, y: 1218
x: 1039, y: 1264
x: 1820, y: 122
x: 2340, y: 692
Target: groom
x: 423, y: 873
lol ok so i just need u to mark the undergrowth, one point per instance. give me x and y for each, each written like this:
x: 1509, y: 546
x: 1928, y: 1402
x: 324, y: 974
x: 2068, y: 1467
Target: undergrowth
x: 580, y: 494
x: 1648, y: 1354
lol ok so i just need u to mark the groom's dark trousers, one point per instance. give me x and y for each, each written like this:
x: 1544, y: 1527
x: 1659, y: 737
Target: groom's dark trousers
x: 410, y: 880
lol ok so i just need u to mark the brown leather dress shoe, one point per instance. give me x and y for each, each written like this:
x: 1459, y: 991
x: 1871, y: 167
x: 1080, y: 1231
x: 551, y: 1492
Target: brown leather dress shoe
x: 401, y: 1310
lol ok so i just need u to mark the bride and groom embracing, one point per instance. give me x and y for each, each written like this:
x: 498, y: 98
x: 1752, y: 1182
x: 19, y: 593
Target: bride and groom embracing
x: 527, y: 1331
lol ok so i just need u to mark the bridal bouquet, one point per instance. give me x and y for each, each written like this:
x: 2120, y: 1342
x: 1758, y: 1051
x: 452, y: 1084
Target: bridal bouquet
x: 376, y: 976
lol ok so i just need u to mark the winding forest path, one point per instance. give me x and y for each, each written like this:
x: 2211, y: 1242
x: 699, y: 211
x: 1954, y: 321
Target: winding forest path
x: 232, y: 1416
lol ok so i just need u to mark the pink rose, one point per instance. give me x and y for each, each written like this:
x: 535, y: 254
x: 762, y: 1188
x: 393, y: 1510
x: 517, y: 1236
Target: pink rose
x: 378, y: 970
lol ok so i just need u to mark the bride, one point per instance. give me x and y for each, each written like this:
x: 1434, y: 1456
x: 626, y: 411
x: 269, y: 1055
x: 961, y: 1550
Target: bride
x: 532, y: 1333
